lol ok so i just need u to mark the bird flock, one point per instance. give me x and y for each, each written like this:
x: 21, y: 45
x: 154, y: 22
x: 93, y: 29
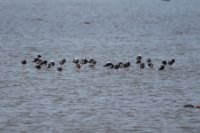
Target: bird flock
x: 39, y: 63
x: 42, y: 63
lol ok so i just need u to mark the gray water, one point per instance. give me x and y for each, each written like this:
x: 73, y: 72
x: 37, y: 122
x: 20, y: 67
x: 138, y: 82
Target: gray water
x: 91, y: 101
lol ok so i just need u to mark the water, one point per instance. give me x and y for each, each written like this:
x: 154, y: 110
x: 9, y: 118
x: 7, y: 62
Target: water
x: 140, y: 101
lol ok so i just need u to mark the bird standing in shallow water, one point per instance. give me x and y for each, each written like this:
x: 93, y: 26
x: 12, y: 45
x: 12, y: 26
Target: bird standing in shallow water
x: 84, y: 61
x: 121, y: 65
x: 162, y: 67
x: 189, y: 106
x: 49, y: 65
x: 44, y: 62
x: 23, y: 62
x: 78, y: 66
x: 142, y: 66
x: 148, y: 60
x: 164, y: 62
x: 90, y: 60
x: 150, y: 65
x: 39, y: 56
x: 108, y: 64
x: 63, y: 61
x: 59, y: 68
x: 38, y: 66
x: 75, y: 60
x: 92, y: 63
x: 116, y: 67
x: 139, y: 57
x: 138, y: 61
x: 127, y: 64
x: 35, y: 59
x: 52, y: 63
x: 171, y: 62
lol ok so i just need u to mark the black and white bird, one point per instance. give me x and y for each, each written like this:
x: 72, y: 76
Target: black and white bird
x: 171, y: 62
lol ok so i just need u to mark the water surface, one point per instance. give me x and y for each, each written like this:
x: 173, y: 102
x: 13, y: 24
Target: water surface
x: 143, y: 101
